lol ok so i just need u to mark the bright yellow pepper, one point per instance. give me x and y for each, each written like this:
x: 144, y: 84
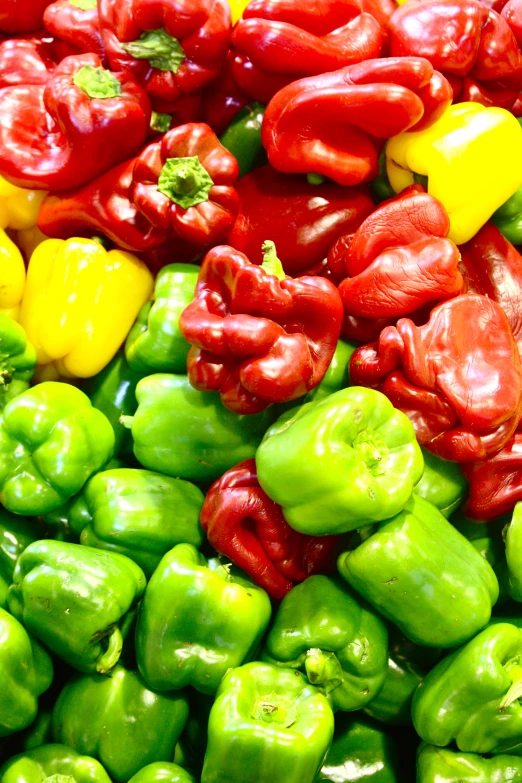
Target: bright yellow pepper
x: 19, y: 207
x: 12, y: 277
x: 237, y: 7
x: 472, y: 157
x: 80, y: 301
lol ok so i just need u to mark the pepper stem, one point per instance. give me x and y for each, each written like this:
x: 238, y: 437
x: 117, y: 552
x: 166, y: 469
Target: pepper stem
x: 158, y: 47
x: 271, y: 264
x: 324, y: 669
x: 111, y: 656
x: 315, y: 179
x: 5, y: 378
x: 126, y: 421
x: 273, y: 708
x: 84, y: 5
x: 185, y: 182
x: 515, y: 692
x: 160, y: 122
x: 97, y: 82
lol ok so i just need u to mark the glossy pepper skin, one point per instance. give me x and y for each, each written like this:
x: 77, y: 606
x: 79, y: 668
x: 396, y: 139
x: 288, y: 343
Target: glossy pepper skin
x: 76, y: 22
x: 335, y: 124
x: 442, y: 484
x: 51, y: 441
x: 243, y: 137
x: 267, y: 725
x: 50, y: 760
x: 79, y: 303
x: 418, y: 548
x: 495, y: 484
x: 488, y: 540
x: 82, y: 122
x: 322, y: 629
x: 25, y: 61
x: 242, y: 523
x: 162, y: 772
x: 19, y: 207
x: 119, y: 721
x: 461, y: 155
x: 513, y: 538
x: 275, y: 44
x: 99, y: 589
x: 257, y: 336
x: 470, y: 44
x: 197, y: 620
x: 461, y: 388
x: 471, y: 696
x: 172, y: 47
x: 16, y: 533
x: 19, y: 18
x: 138, y: 513
x: 12, y: 274
x: 303, y: 220
x: 508, y: 218
x: 27, y: 672
x: 155, y: 342
x: 182, y: 432
x: 440, y: 765
x: 17, y: 360
x: 362, y: 462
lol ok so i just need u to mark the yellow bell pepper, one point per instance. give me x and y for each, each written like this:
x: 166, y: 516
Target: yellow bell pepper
x: 19, y: 207
x: 12, y: 277
x: 79, y: 303
x: 237, y: 7
x: 472, y: 158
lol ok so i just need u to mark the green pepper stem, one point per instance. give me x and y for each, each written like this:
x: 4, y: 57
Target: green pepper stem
x: 111, y: 656
x: 315, y: 179
x: 324, y: 669
x: 515, y: 692
x: 158, y: 47
x: 160, y: 122
x: 5, y: 377
x: 185, y: 182
x: 274, y: 708
x: 126, y: 421
x: 97, y: 82
x: 271, y: 263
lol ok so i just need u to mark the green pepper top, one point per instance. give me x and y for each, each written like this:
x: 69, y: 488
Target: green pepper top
x: 52, y: 764
x: 17, y: 360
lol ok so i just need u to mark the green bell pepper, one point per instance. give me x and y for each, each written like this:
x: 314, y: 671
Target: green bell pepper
x: 155, y: 342
x: 186, y: 433
x: 39, y: 732
x: 424, y: 576
x: 361, y: 752
x: 197, y: 619
x: 78, y: 601
x: 508, y: 218
x: 380, y: 187
x: 513, y: 553
x: 442, y: 484
x: 161, y: 772
x: 51, y: 441
x: 243, y: 138
x: 267, y: 725
x: 17, y: 360
x: 341, y: 645
x: 488, y: 540
x: 472, y: 696
x: 137, y: 513
x: 52, y: 764
x: 341, y: 463
x: 439, y: 765
x: 26, y: 671
x: 16, y: 533
x: 119, y: 721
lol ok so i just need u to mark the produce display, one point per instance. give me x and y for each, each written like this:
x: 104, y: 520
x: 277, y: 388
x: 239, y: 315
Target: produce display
x: 261, y: 391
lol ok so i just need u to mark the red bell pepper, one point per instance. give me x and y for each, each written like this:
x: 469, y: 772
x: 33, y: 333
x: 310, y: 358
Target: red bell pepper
x: 258, y: 337
x: 72, y: 129
x: 335, y: 124
x: 223, y: 99
x: 276, y: 43
x: 173, y: 47
x: 512, y: 13
x: 495, y: 484
x: 471, y: 44
x: 303, y: 220
x: 20, y: 16
x: 76, y: 22
x: 458, y: 377
x: 24, y: 61
x: 178, y: 194
x: 242, y: 523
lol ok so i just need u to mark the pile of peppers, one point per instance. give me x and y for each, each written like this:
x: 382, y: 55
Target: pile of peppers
x: 260, y: 391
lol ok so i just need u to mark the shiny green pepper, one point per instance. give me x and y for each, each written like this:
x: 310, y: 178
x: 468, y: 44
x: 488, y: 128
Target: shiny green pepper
x: 440, y: 765
x: 243, y: 137
x: 161, y: 772
x: 17, y: 360
x: 442, y: 484
x: 53, y: 764
x: 16, y: 533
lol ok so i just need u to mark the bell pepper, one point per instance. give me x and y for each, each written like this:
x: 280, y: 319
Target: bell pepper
x: 488, y: 540
x: 35, y: 429
x: 223, y: 99
x: 267, y: 725
x: 303, y: 220
x: 471, y: 696
x: 55, y: 762
x: 178, y: 193
x: 80, y: 302
x: 17, y: 360
x: 83, y: 121
x: 76, y: 22
x: 495, y: 484
x: 16, y: 533
x: 461, y: 388
x: 339, y: 464
x: 25, y: 61
x: 28, y: 240
x: 78, y: 601
x: 508, y: 218
x: 19, y: 207
x: 119, y: 721
x: 27, y: 672
x: 440, y: 765
x: 155, y: 342
x: 12, y: 275
x: 137, y: 513
x: 242, y: 523
x: 322, y: 629
x: 161, y: 772
x: 335, y: 124
x: 442, y: 484
x: 275, y: 44
x: 182, y: 432
x: 513, y: 537
x: 471, y: 44
x: 243, y: 137
x: 461, y: 155
x: 198, y: 619
x: 414, y: 568
x: 258, y: 337
x: 16, y: 17
x: 39, y: 732
x: 361, y: 752
x: 173, y: 47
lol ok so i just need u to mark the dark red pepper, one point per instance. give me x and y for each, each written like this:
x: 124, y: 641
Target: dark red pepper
x: 495, y: 484
x: 20, y: 16
x: 76, y: 22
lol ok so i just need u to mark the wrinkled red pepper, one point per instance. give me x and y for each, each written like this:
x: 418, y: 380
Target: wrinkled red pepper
x: 458, y: 377
x: 77, y: 23
x: 257, y: 336
x: 495, y: 484
x: 242, y: 523
x: 20, y: 16
x: 193, y: 209
x: 276, y: 43
x: 173, y: 47
x: 335, y: 124
x: 25, y: 61
x: 471, y: 44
